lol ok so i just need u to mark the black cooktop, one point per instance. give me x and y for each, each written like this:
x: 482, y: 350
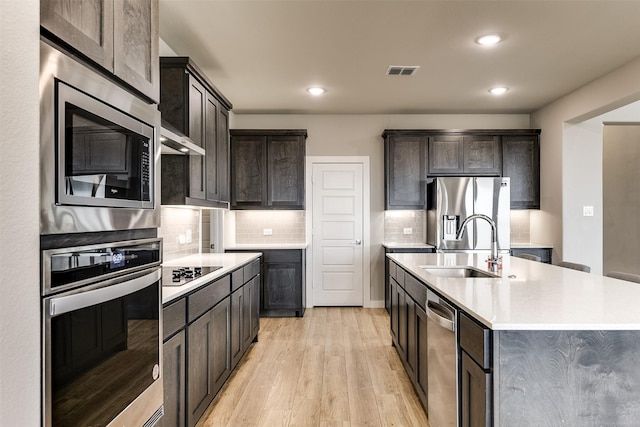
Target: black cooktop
x: 178, y: 276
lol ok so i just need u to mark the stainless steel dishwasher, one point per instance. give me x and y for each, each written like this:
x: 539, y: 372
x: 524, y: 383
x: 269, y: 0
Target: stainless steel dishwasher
x: 441, y: 362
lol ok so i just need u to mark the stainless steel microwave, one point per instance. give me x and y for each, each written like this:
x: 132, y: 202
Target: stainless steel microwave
x: 99, y: 150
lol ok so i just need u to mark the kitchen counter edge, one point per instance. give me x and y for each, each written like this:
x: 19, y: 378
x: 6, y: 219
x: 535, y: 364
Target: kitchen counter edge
x: 228, y: 261
x: 530, y: 295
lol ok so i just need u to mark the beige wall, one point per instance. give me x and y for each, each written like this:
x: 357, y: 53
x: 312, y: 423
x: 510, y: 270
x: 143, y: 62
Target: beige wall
x: 360, y: 135
x: 19, y: 208
x: 571, y: 164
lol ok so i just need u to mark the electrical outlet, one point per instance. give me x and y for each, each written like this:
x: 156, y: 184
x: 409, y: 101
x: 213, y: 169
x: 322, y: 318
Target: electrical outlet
x: 407, y: 231
x: 182, y: 239
x: 188, y: 236
x: 587, y: 211
x: 267, y: 231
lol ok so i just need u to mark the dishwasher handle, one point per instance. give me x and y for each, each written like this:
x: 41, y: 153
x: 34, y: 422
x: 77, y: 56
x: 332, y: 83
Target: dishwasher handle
x: 442, y: 315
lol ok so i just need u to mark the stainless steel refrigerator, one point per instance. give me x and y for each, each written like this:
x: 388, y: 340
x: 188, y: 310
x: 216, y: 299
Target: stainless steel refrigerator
x: 451, y: 200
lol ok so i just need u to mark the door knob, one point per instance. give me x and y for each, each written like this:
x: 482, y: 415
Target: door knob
x: 358, y: 242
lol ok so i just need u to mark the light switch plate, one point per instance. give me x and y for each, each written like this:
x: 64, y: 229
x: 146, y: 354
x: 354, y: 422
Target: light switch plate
x: 267, y: 232
x: 587, y: 211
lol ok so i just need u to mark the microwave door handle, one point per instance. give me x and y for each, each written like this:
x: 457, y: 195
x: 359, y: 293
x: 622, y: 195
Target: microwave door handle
x: 65, y: 304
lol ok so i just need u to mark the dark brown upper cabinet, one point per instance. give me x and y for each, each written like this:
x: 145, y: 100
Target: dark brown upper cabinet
x: 119, y: 36
x: 521, y: 163
x: 191, y: 104
x: 267, y: 168
x: 405, y: 171
x: 412, y: 156
x: 465, y: 155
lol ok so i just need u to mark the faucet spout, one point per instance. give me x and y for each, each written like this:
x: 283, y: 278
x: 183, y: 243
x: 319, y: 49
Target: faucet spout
x: 493, y: 259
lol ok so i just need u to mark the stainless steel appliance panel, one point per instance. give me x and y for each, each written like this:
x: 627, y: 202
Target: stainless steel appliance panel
x: 56, y: 217
x: 453, y: 199
x: 102, y: 341
x: 442, y: 362
x: 492, y: 198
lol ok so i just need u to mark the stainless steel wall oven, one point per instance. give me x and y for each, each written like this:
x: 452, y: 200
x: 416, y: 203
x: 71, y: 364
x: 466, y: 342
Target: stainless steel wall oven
x: 102, y: 334
x: 99, y: 150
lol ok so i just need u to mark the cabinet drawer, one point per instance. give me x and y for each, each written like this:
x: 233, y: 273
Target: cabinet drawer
x: 201, y: 301
x: 251, y: 270
x: 400, y: 276
x: 475, y: 340
x: 393, y: 269
x: 237, y: 279
x: 416, y: 290
x: 174, y: 317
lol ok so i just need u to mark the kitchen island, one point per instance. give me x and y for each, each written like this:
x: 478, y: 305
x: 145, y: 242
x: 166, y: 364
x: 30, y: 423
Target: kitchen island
x: 554, y: 346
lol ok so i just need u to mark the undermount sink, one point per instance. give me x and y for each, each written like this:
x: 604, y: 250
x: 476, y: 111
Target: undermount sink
x: 457, y: 272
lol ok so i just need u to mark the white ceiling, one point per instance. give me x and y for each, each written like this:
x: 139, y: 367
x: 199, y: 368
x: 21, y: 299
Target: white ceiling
x: 263, y: 54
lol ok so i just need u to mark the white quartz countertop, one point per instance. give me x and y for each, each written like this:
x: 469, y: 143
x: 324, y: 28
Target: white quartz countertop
x: 407, y: 246
x: 531, y: 295
x: 228, y: 262
x: 258, y: 246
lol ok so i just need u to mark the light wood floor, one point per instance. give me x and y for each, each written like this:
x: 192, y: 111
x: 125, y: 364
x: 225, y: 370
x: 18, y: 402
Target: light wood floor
x: 333, y: 367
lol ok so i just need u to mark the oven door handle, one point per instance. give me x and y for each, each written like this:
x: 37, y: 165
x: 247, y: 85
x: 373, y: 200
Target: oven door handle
x: 65, y: 304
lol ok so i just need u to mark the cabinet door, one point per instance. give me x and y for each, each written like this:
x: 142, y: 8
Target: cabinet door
x: 86, y: 25
x: 406, y: 172
x: 475, y: 393
x: 211, y: 145
x: 285, y: 172
x: 247, y: 327
x: 173, y: 378
x: 255, y: 306
x: 237, y: 318
x: 446, y: 155
x: 401, y: 345
x: 222, y: 164
x: 421, y: 379
x: 209, y: 361
x: 521, y: 163
x: 282, y: 286
x: 197, y: 167
x: 136, y: 41
x: 248, y: 172
x: 482, y: 155
x: 394, y: 309
x: 411, y: 341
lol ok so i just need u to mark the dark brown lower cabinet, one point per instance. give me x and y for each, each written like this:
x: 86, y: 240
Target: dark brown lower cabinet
x: 411, y: 351
x: 208, y: 358
x: 283, y: 287
x: 421, y: 375
x: 475, y: 393
x: 174, y: 373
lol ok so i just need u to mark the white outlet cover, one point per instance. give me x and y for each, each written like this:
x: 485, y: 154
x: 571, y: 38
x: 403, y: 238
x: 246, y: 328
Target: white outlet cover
x: 189, y: 236
x: 408, y: 231
x: 182, y: 239
x: 267, y: 231
x: 587, y: 211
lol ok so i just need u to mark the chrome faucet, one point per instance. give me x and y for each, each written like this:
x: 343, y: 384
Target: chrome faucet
x: 494, y: 262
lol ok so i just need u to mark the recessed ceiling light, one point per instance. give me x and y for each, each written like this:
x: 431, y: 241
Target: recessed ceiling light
x: 489, y: 39
x: 316, y: 91
x: 498, y: 90
x: 184, y: 149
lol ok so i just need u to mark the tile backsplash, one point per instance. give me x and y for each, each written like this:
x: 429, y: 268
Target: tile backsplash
x: 520, y: 227
x: 181, y: 232
x: 395, y: 223
x: 285, y: 226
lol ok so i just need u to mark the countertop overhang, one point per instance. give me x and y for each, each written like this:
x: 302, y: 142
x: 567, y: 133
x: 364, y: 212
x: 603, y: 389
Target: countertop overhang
x: 531, y: 295
x: 228, y: 262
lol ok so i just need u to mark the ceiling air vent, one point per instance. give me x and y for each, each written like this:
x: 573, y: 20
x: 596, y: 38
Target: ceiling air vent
x: 402, y: 70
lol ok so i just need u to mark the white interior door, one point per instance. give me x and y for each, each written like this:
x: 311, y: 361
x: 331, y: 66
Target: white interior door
x: 337, y: 234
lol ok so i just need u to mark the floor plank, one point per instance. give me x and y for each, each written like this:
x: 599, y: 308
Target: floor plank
x: 333, y: 367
